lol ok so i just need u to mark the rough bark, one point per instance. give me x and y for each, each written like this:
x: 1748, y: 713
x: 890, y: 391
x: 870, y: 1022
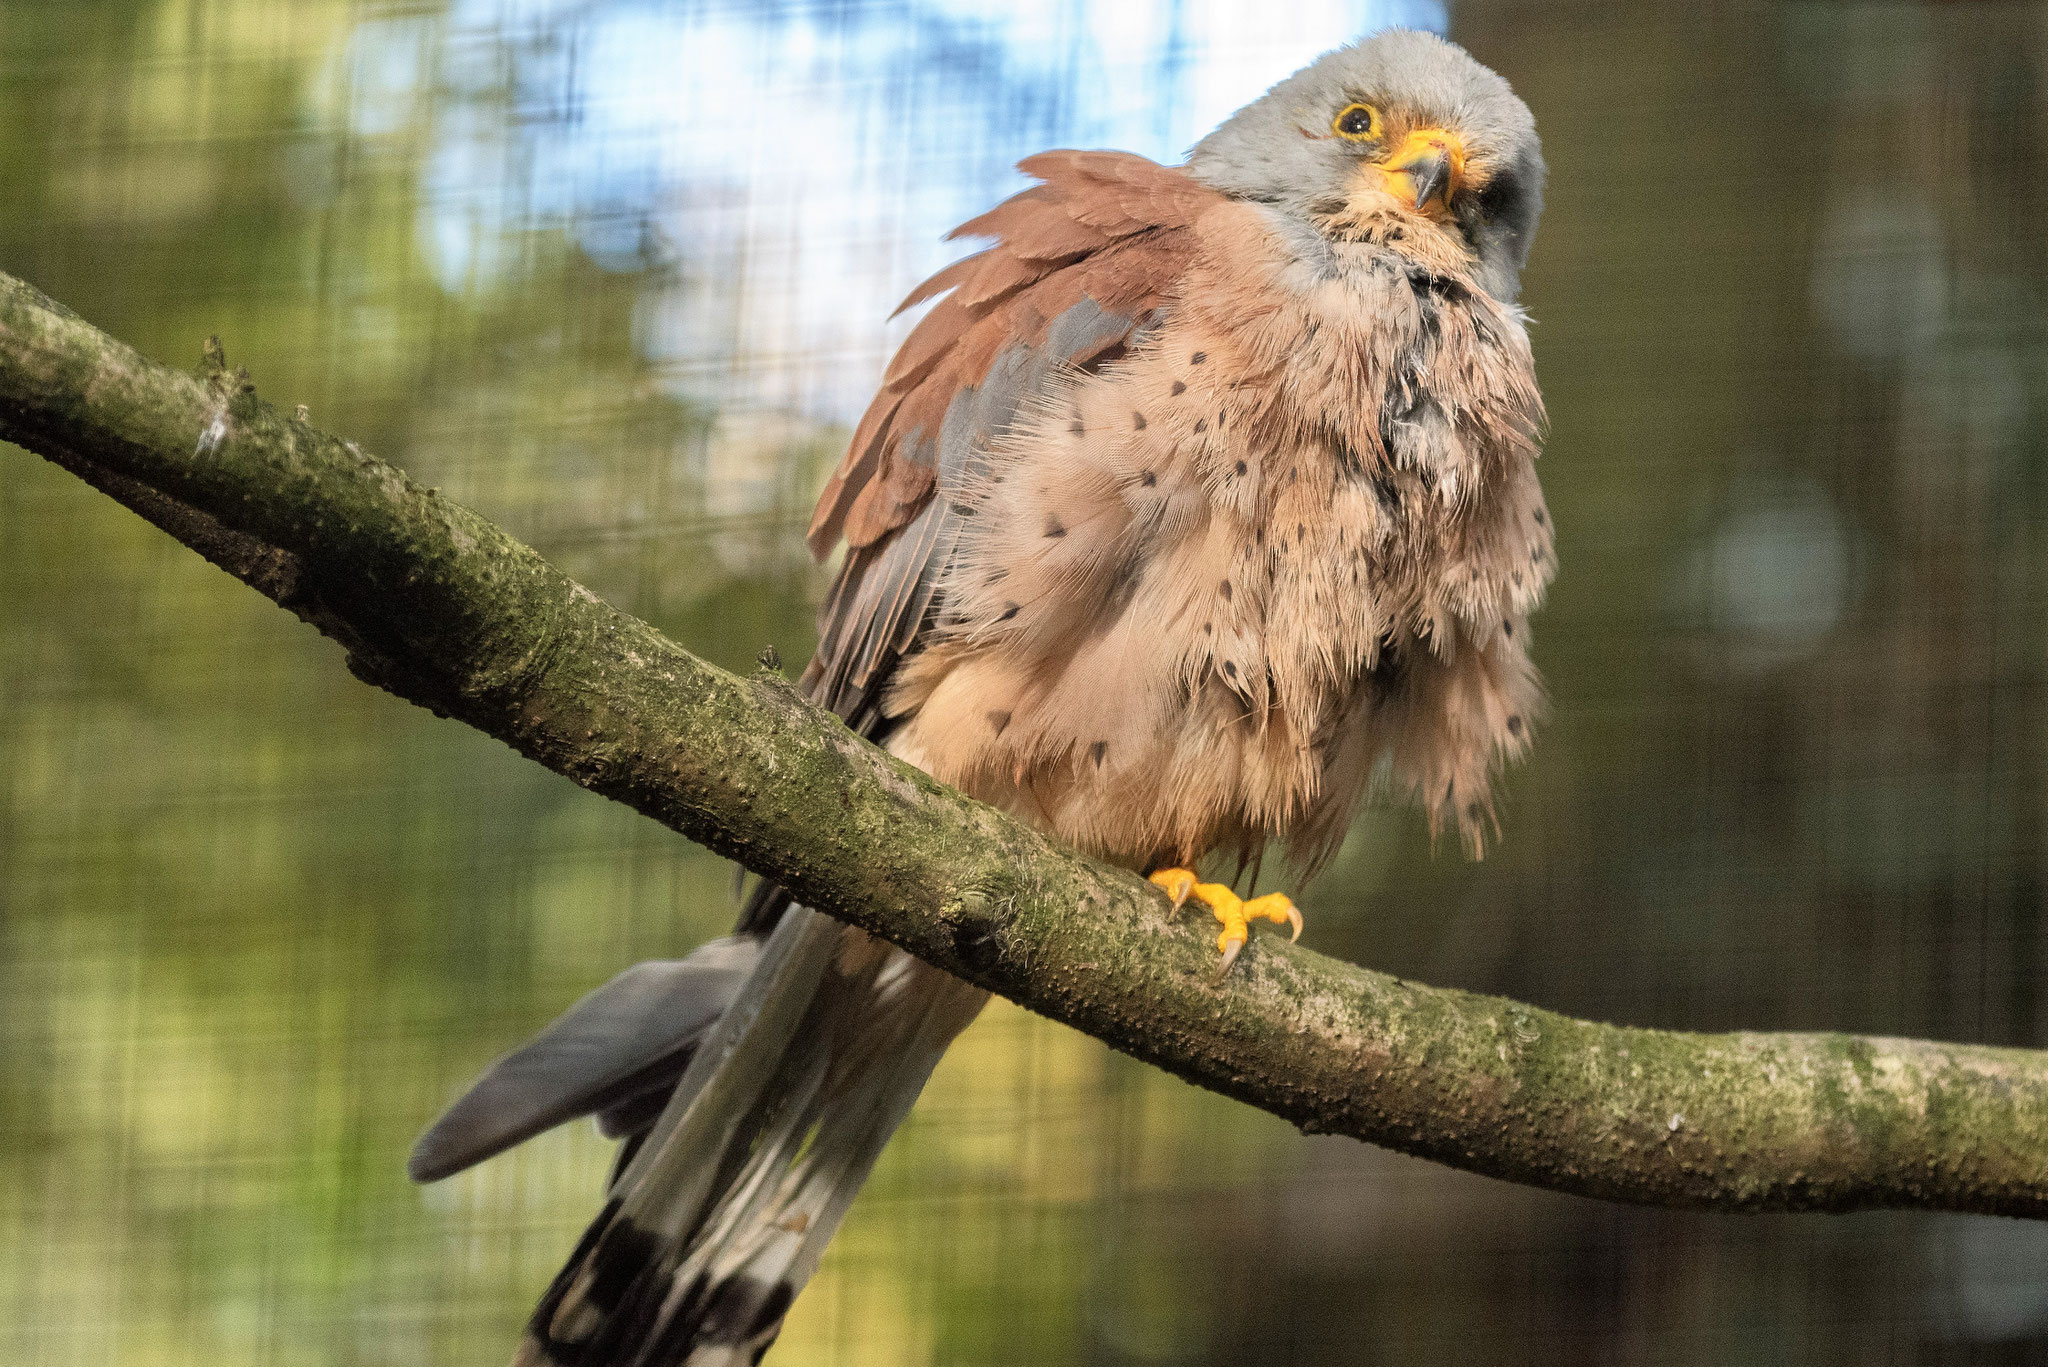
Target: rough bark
x: 443, y: 608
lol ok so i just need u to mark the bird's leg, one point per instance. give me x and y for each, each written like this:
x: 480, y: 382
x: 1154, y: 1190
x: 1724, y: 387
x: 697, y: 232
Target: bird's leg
x: 1235, y: 913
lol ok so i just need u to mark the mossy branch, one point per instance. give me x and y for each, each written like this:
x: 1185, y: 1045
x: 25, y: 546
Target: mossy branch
x: 441, y: 607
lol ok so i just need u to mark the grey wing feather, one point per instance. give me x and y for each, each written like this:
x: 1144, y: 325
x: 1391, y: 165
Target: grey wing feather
x: 618, y: 1051
x: 886, y: 593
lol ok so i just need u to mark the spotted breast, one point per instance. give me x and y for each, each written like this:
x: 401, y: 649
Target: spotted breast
x: 1201, y: 592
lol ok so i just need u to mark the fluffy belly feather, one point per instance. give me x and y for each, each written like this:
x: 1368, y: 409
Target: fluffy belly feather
x: 1206, y: 591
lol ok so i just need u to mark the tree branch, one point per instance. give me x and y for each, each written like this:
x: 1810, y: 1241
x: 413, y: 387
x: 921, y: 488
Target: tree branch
x: 443, y: 608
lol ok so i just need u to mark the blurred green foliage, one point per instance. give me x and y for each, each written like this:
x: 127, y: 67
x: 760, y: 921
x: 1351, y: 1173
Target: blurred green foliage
x: 257, y: 922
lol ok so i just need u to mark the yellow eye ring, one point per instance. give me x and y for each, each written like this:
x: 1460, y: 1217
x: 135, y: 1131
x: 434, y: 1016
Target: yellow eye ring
x: 1356, y: 123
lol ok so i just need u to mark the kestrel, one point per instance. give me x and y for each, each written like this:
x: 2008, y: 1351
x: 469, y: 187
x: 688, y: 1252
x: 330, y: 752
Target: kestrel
x: 1202, y: 497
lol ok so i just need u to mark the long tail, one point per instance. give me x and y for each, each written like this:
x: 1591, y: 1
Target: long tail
x: 615, y: 1054
x: 722, y: 1214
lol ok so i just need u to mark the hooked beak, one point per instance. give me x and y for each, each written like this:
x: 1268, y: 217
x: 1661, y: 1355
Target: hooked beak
x: 1427, y: 168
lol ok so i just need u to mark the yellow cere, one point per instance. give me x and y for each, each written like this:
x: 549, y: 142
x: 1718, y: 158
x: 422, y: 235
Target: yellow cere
x: 1431, y: 153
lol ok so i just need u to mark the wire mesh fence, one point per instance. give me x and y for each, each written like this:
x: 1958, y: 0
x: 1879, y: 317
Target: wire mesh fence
x: 617, y: 274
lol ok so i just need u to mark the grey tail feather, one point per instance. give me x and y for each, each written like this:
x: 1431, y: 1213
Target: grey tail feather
x: 616, y: 1053
x: 721, y: 1215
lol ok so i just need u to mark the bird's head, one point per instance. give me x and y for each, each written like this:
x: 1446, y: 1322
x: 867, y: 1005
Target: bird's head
x: 1403, y: 126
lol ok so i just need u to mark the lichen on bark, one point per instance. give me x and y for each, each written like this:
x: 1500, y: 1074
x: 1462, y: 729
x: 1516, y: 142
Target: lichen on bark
x: 445, y: 609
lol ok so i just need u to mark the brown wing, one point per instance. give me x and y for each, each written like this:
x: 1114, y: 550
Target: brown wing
x: 1084, y: 264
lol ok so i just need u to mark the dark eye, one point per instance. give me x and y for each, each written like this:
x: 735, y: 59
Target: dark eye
x: 1358, y: 122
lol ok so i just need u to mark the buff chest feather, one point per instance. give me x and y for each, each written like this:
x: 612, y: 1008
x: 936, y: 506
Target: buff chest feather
x: 1199, y: 593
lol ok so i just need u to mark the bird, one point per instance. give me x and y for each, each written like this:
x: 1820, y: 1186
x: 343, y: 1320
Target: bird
x: 1200, y: 501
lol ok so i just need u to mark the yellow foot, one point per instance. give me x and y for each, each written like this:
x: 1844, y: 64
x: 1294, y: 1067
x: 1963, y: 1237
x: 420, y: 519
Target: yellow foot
x: 1234, y: 912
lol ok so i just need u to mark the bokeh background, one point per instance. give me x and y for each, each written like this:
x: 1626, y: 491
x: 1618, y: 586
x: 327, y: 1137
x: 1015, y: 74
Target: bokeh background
x: 615, y: 274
